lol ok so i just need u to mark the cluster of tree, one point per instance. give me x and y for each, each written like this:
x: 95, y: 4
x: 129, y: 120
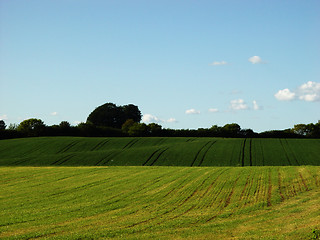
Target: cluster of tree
x: 109, y: 120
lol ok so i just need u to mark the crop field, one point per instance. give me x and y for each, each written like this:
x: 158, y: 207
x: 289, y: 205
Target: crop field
x: 70, y: 151
x: 159, y: 202
x: 159, y: 188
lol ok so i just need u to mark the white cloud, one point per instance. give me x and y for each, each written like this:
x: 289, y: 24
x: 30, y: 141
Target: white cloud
x: 54, y: 114
x: 256, y: 60
x: 213, y: 110
x: 255, y: 105
x: 4, y: 117
x: 192, y: 111
x: 238, y: 104
x: 215, y: 63
x: 148, y: 118
x: 309, y: 92
x: 285, y: 95
x: 171, y: 120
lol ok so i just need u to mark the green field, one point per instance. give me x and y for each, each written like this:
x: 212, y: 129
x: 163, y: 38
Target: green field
x: 56, y: 188
x: 69, y: 151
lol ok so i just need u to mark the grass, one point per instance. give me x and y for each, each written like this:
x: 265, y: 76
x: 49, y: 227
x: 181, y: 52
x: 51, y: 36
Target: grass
x: 159, y: 202
x: 153, y: 188
x: 70, y: 151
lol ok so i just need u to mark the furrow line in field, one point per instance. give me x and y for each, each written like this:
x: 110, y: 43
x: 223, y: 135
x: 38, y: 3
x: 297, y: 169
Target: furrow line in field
x: 99, y: 145
x: 103, y: 159
x: 231, y: 193
x: 248, y: 195
x: 67, y: 158
x: 177, y: 187
x: 156, y: 159
x: 217, y: 194
x: 168, y: 184
x: 303, y: 182
x: 315, y: 177
x: 181, y: 214
x: 285, y: 152
x: 257, y: 190
x: 131, y: 143
x: 159, y: 142
x: 244, y: 188
x: 280, y: 187
x: 32, y: 150
x: 194, y: 193
x: 20, y: 161
x: 214, y: 181
x: 164, y: 204
x: 243, y: 148
x: 227, y: 202
x: 149, y: 158
x: 66, y: 148
x: 195, y: 158
x: 191, y: 139
x: 173, y: 209
x: 293, y: 152
x: 262, y: 155
x: 109, y: 158
x: 62, y: 160
x: 205, y: 153
x: 250, y: 157
x: 269, y: 204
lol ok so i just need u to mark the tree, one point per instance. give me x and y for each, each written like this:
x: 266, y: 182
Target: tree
x: 127, y: 125
x: 131, y: 111
x: 2, y: 125
x: 64, y: 125
x: 231, y: 130
x: 31, y: 127
x: 154, y: 129
x: 110, y: 115
x: 138, y: 130
x: 300, y: 129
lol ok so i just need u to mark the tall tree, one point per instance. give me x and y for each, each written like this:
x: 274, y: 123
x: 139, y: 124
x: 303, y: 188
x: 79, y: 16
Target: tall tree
x: 2, y: 125
x: 111, y: 115
x: 31, y: 127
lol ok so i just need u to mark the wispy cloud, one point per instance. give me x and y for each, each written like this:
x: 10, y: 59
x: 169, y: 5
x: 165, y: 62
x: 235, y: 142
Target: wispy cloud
x: 255, y: 105
x: 238, y: 104
x: 148, y: 118
x: 172, y: 120
x: 309, y: 92
x: 54, y: 114
x: 192, y: 111
x: 256, y: 60
x: 213, y: 110
x: 4, y: 117
x: 216, y: 63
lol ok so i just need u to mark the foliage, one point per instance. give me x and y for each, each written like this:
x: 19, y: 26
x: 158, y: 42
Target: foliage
x: 2, y: 125
x: 32, y: 127
x: 127, y: 125
x: 137, y: 130
x: 110, y: 115
x: 308, y: 130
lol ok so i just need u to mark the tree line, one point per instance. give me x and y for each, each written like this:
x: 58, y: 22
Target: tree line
x: 110, y: 120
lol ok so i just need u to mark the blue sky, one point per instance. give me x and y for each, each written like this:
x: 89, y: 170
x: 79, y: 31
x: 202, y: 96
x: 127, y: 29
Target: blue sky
x: 185, y: 64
